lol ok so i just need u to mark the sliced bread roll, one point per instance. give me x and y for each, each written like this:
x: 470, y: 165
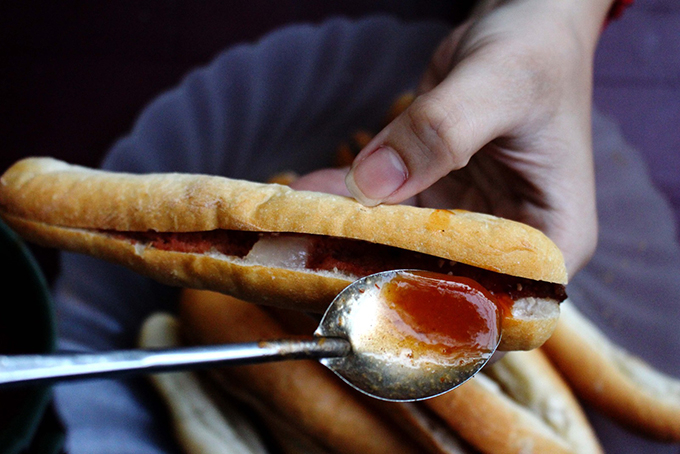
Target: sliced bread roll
x: 270, y: 244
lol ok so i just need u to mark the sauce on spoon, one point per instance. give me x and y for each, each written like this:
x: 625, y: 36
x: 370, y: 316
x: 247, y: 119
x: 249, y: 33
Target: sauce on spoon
x: 447, y: 319
x: 413, y: 329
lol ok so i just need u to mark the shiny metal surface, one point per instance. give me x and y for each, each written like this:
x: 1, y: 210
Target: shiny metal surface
x: 32, y: 369
x: 376, y: 366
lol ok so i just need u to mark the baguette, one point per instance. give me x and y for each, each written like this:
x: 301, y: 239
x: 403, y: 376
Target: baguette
x: 201, y: 425
x: 303, y: 392
x: 270, y: 244
x: 520, y: 404
x: 613, y: 381
x: 431, y: 431
x: 207, y: 421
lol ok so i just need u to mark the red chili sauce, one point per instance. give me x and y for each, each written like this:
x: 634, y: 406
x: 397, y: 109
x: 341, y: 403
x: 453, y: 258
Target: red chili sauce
x: 354, y: 257
x: 444, y: 315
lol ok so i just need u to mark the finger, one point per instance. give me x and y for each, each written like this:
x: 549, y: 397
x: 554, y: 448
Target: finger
x: 438, y: 133
x: 331, y: 181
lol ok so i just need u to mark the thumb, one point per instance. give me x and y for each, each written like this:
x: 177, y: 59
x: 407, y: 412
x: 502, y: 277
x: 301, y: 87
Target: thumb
x: 439, y: 132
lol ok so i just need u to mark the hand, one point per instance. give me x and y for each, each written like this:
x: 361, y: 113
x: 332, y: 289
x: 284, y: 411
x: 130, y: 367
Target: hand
x: 501, y: 125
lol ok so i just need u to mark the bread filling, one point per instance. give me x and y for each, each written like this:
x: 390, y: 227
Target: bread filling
x: 332, y: 254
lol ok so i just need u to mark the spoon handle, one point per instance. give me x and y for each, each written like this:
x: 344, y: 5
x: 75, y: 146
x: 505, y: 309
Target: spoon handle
x: 35, y: 369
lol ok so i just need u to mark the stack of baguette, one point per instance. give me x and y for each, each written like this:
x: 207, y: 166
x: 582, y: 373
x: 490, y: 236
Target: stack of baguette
x: 519, y: 404
x: 526, y: 402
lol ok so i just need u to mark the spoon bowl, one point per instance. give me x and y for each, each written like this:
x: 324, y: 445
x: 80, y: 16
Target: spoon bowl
x: 391, y: 358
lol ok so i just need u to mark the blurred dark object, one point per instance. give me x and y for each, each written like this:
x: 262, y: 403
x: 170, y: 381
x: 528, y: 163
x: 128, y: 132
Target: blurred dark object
x: 27, y: 421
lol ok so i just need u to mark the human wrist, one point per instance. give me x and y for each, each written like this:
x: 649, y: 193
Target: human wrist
x: 584, y: 18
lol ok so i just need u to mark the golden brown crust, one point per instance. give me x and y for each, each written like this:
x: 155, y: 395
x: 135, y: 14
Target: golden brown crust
x: 280, y: 287
x: 541, y: 416
x: 53, y: 192
x: 426, y: 427
x: 523, y: 329
x: 303, y: 391
x: 58, y: 205
x: 203, y: 422
x: 612, y: 380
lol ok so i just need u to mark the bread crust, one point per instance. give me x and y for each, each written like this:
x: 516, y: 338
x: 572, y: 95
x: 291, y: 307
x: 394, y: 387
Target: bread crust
x: 53, y: 192
x: 301, y: 391
x: 203, y: 422
x: 612, y: 380
x: 541, y: 416
x: 59, y: 205
x: 303, y: 290
x: 417, y: 420
x: 478, y: 416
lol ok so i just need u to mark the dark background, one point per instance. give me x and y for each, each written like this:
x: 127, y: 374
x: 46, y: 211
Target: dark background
x: 75, y: 74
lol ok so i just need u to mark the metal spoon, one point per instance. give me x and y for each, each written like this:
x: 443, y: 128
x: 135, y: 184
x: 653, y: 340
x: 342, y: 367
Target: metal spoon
x: 355, y: 339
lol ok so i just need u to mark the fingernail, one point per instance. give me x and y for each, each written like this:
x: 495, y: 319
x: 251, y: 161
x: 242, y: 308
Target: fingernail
x: 377, y: 176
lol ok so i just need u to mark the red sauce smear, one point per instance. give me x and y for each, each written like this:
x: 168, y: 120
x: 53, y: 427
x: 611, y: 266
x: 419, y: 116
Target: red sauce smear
x: 228, y: 242
x: 354, y: 257
x: 362, y: 258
